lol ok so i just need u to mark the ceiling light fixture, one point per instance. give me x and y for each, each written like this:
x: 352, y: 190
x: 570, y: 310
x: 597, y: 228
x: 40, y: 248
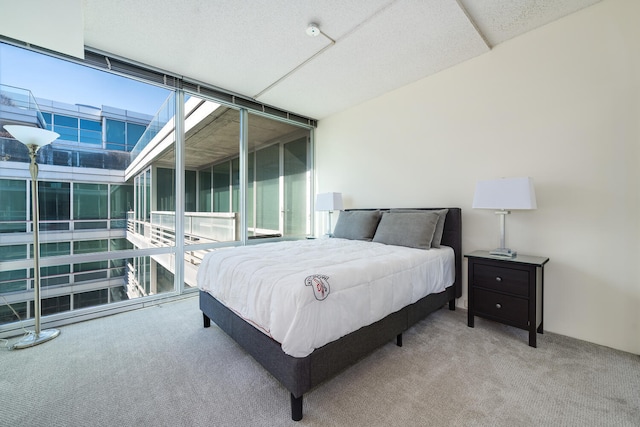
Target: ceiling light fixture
x: 313, y: 30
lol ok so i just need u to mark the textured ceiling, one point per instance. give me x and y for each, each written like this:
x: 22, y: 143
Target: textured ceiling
x: 260, y: 48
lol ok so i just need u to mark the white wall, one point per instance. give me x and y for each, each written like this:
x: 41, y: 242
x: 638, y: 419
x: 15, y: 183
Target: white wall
x: 560, y: 104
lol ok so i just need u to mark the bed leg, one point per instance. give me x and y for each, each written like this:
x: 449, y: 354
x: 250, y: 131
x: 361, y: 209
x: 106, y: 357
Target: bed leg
x: 399, y: 340
x: 206, y: 320
x: 452, y: 305
x: 296, y: 408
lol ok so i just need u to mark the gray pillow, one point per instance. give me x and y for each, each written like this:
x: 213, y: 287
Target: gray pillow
x: 412, y: 229
x: 437, y: 234
x: 357, y: 225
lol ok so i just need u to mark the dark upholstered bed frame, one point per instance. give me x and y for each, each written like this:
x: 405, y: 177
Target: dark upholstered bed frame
x: 300, y: 375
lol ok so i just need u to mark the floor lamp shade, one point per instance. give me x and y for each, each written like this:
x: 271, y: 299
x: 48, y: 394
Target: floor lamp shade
x: 329, y: 202
x: 34, y: 138
x: 30, y: 135
x: 504, y: 195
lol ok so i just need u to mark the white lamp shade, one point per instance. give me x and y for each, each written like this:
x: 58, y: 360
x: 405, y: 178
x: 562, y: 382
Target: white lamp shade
x: 505, y: 193
x: 329, y: 202
x: 30, y: 135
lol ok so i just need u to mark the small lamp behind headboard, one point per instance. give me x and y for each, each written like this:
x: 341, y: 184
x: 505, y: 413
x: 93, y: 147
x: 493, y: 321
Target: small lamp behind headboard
x: 329, y: 202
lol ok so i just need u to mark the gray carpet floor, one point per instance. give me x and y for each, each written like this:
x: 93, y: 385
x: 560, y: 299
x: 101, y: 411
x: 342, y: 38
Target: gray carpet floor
x: 159, y: 367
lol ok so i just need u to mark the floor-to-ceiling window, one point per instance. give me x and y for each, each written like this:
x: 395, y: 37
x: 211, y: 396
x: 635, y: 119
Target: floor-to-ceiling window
x: 124, y: 194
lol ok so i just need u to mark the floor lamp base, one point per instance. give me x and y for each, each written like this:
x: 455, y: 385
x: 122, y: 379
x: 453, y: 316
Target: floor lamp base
x: 35, y: 339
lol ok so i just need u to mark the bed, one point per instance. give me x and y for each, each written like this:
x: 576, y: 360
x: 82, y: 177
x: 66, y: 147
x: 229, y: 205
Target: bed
x: 305, y: 365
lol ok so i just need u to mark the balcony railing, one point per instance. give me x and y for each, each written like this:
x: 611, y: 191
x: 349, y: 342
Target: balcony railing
x: 22, y: 226
x: 165, y: 114
x: 199, y: 227
x: 19, y: 105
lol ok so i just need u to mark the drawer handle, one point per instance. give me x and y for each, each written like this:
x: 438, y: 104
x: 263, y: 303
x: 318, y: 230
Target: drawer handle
x: 498, y: 306
x: 498, y: 279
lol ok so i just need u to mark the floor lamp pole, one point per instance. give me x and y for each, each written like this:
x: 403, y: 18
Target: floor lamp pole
x: 35, y: 212
x: 38, y: 336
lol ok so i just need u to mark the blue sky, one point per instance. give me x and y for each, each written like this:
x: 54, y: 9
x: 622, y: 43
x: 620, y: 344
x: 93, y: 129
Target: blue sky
x: 64, y: 81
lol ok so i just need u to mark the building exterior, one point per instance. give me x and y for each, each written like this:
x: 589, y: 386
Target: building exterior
x: 83, y: 203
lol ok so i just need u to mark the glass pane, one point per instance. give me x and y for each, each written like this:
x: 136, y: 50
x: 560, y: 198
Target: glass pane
x: 7, y: 315
x: 94, y: 270
x: 14, y: 200
x: 90, y: 225
x: 91, y: 298
x: 143, y: 269
x: 90, y: 201
x: 91, y: 132
x: 204, y: 196
x: 222, y: 187
x: 82, y: 192
x: 13, y: 209
x: 278, y: 188
x: 190, y: 191
x: 191, y: 261
x: 13, y: 252
x: 267, y: 187
x: 54, y: 275
x: 158, y: 202
x: 164, y: 279
x: 90, y: 271
x: 120, y: 244
x: 212, y: 146
x: 55, y: 249
x: 121, y: 201
x: 166, y: 189
x: 54, y: 200
x: 91, y: 125
x: 251, y: 195
x: 115, y: 134
x: 296, y: 184
x: 90, y: 246
x: 147, y: 195
x: 47, y: 118
x: 13, y: 281
x: 134, y: 133
x: 66, y: 126
x: 70, y: 122
x: 235, y: 185
x: 53, y: 305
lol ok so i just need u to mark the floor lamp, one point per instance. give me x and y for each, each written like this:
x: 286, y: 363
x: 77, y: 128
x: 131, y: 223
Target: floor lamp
x: 34, y: 138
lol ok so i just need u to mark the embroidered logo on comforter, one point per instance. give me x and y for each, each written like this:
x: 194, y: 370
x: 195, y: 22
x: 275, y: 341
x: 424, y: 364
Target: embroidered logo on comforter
x: 320, y: 285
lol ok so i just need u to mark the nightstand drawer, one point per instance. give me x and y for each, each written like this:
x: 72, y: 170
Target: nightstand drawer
x: 501, y: 306
x: 502, y: 279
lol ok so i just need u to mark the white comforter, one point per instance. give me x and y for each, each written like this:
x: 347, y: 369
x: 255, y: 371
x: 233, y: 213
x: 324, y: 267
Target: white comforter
x: 307, y: 293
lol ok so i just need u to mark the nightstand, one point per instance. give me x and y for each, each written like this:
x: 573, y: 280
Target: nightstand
x: 507, y: 290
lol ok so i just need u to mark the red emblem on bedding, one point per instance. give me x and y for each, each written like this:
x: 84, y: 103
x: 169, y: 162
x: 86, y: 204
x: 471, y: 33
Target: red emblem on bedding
x: 320, y: 285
